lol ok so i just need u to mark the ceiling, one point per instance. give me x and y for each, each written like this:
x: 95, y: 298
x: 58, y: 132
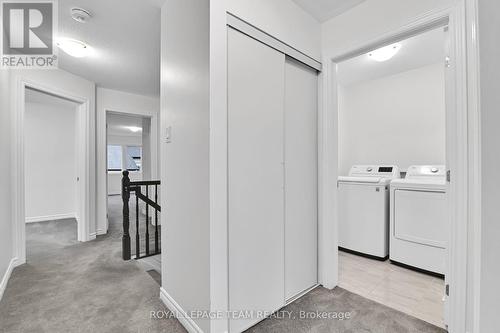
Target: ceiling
x: 418, y: 51
x: 35, y: 96
x: 125, y: 39
x: 324, y: 10
x: 119, y: 124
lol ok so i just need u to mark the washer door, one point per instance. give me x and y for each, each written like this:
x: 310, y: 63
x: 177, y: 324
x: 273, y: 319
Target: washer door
x: 420, y: 217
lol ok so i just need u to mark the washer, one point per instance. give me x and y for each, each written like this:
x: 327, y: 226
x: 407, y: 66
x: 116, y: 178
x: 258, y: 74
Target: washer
x: 364, y: 209
x: 419, y: 219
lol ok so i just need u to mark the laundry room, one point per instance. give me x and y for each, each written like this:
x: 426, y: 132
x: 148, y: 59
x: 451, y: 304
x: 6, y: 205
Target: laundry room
x: 393, y: 218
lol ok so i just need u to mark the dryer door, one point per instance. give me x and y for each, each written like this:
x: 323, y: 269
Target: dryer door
x: 420, y: 217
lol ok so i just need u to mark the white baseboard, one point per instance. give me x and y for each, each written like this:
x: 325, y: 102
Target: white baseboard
x: 50, y: 217
x: 101, y: 232
x: 6, y: 276
x: 181, y: 315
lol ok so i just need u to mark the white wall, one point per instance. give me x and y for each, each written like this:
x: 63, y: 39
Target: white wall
x: 489, y: 49
x: 6, y: 231
x: 399, y: 119
x: 109, y: 100
x: 50, y: 161
x: 124, y: 140
x: 185, y: 161
x: 146, y: 149
x: 282, y: 19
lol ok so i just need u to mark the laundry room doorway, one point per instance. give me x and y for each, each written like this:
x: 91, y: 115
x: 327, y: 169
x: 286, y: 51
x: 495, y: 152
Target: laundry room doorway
x: 399, y: 127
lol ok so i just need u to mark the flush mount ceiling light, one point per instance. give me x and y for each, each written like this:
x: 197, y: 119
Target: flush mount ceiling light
x: 134, y: 129
x: 80, y: 15
x: 73, y: 47
x: 385, y: 53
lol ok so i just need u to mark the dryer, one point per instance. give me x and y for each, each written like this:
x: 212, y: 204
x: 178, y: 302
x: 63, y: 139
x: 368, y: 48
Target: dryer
x: 419, y: 219
x: 364, y: 209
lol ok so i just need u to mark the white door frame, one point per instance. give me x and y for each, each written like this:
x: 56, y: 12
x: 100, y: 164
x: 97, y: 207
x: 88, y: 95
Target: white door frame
x: 457, y: 152
x: 84, y: 166
x: 102, y: 158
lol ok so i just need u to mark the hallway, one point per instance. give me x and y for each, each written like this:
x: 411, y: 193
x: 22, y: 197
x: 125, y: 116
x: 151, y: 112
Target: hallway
x: 68, y: 286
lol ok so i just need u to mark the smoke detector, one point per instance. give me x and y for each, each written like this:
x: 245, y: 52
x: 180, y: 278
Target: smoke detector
x: 80, y: 15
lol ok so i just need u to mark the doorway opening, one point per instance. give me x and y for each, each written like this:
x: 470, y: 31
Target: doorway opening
x: 393, y: 216
x: 129, y: 148
x: 53, y: 200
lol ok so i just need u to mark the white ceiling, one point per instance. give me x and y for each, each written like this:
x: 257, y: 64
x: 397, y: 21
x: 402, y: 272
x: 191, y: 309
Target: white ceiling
x: 323, y: 10
x: 35, y: 96
x: 118, y: 125
x: 419, y: 51
x: 125, y: 38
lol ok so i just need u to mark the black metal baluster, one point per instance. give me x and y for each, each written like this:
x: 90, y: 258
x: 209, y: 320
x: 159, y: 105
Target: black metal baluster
x: 156, y: 220
x: 137, y: 239
x: 147, y: 221
x: 126, y: 217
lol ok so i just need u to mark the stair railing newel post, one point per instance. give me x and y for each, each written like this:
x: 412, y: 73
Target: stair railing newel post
x: 126, y: 216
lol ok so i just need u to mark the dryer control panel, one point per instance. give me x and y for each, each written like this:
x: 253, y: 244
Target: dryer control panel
x: 385, y: 171
x: 426, y: 171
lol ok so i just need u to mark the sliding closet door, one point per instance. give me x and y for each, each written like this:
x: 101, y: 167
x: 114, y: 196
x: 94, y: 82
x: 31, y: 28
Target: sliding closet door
x: 255, y: 181
x: 301, y: 178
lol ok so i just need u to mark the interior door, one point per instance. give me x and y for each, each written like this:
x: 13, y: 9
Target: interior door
x: 255, y: 178
x: 301, y: 178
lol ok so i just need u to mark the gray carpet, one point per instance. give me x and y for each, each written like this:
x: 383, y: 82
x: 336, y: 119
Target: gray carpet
x: 365, y: 316
x: 68, y: 286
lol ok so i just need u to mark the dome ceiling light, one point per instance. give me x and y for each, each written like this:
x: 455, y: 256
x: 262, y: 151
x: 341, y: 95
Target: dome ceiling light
x: 385, y: 53
x: 80, y: 15
x: 73, y: 47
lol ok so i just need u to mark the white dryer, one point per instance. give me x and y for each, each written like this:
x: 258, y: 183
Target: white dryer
x: 364, y: 209
x: 419, y: 219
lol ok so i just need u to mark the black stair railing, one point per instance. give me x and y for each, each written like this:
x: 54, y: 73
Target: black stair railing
x: 136, y: 188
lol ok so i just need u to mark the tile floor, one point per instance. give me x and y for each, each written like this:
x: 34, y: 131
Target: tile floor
x: 417, y: 294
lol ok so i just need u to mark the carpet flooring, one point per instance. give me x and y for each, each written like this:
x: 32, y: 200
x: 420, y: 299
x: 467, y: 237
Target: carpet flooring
x: 67, y: 286
x: 340, y: 311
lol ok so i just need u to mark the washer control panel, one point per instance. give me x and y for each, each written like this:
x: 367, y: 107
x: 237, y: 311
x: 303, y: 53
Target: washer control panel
x: 386, y: 171
x: 426, y: 171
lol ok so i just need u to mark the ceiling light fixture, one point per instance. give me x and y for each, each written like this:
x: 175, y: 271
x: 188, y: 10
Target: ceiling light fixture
x: 80, y: 15
x: 134, y: 129
x: 385, y: 53
x: 73, y: 47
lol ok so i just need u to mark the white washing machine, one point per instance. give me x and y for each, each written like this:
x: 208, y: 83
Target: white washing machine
x: 364, y: 209
x: 419, y: 219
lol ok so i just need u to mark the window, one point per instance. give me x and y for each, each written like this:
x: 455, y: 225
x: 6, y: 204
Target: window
x: 114, y: 158
x: 121, y: 155
x: 134, y: 158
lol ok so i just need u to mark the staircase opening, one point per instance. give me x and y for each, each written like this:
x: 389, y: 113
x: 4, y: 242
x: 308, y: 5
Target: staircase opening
x: 141, y: 238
